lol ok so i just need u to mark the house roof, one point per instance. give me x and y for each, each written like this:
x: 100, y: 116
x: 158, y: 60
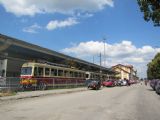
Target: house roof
x: 129, y: 66
x: 120, y: 69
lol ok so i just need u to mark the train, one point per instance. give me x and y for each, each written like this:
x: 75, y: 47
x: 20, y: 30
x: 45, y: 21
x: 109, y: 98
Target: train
x: 43, y: 75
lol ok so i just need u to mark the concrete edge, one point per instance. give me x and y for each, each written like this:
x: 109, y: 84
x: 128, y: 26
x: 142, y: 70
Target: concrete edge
x: 8, y: 98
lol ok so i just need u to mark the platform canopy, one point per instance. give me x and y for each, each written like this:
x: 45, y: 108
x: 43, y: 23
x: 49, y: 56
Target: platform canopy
x: 12, y: 48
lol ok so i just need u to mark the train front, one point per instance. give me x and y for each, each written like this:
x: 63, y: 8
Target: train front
x: 27, y: 76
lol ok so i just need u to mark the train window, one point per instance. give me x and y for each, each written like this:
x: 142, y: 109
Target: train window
x: 93, y: 76
x: 25, y: 71
x: 79, y: 75
x: 53, y: 72
x: 83, y: 75
x: 66, y: 74
x: 47, y: 71
x: 71, y: 73
x: 96, y: 77
x: 35, y: 71
x: 75, y: 74
x: 40, y: 71
x: 87, y: 75
x: 60, y: 72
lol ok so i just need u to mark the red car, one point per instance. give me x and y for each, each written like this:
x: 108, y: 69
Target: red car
x: 108, y: 83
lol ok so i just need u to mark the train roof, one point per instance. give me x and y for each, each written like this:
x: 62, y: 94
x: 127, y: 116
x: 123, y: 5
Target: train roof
x: 48, y: 65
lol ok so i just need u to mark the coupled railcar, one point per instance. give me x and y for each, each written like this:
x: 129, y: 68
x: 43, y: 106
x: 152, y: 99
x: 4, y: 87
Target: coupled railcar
x: 42, y: 75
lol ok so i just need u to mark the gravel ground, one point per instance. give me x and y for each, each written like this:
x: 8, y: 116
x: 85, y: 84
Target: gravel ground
x: 137, y: 102
x: 31, y: 94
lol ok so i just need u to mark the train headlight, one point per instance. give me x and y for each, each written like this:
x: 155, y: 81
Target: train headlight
x: 24, y: 81
x: 32, y: 81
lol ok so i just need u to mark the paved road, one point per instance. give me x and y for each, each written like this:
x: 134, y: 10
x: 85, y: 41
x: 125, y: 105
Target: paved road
x: 137, y: 102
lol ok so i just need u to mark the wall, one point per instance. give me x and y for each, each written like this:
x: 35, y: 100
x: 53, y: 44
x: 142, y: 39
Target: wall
x: 14, y: 68
x: 3, y: 67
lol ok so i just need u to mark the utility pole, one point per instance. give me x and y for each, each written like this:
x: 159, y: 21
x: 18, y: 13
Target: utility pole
x: 100, y: 67
x: 93, y: 59
x: 100, y: 59
x: 104, y: 39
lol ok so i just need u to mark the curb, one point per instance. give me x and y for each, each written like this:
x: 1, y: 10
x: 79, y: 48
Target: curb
x: 16, y: 97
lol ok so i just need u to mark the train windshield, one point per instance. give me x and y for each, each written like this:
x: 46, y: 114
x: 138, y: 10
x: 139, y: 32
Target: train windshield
x: 26, y: 70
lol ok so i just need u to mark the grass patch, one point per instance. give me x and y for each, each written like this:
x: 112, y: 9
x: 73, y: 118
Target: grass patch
x: 65, y: 87
x: 7, y: 93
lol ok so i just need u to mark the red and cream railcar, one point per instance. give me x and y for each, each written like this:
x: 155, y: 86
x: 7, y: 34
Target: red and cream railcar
x: 95, y: 76
x: 42, y: 75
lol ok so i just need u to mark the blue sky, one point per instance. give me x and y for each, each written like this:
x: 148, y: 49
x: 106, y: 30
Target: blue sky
x: 77, y: 28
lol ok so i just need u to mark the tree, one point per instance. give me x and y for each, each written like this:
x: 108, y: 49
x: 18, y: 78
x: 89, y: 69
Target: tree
x: 153, y: 71
x: 151, y: 10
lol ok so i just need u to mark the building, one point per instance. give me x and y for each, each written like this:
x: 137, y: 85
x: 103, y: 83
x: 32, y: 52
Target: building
x: 125, y: 72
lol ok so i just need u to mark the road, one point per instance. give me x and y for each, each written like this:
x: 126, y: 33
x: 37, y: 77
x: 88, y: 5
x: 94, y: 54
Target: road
x: 136, y: 102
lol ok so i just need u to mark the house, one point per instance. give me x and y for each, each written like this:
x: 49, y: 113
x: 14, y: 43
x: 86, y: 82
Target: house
x: 125, y: 71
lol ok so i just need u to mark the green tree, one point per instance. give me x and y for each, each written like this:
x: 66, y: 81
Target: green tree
x: 153, y: 71
x: 151, y: 10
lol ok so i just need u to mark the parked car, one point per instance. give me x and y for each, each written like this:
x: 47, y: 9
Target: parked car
x: 157, y: 87
x: 124, y: 82
x: 108, y: 83
x: 94, y: 85
x: 118, y: 82
x: 153, y: 83
x: 132, y: 82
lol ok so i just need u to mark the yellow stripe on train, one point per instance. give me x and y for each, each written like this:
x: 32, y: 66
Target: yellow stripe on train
x: 28, y: 81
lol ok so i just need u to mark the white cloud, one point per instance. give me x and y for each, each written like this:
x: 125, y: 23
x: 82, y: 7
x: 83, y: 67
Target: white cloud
x: 124, y: 52
x: 61, y: 24
x: 32, y: 7
x: 20, y: 7
x: 84, y: 15
x: 32, y: 29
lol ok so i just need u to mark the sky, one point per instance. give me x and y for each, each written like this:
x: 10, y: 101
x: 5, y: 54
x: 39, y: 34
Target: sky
x: 84, y: 29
